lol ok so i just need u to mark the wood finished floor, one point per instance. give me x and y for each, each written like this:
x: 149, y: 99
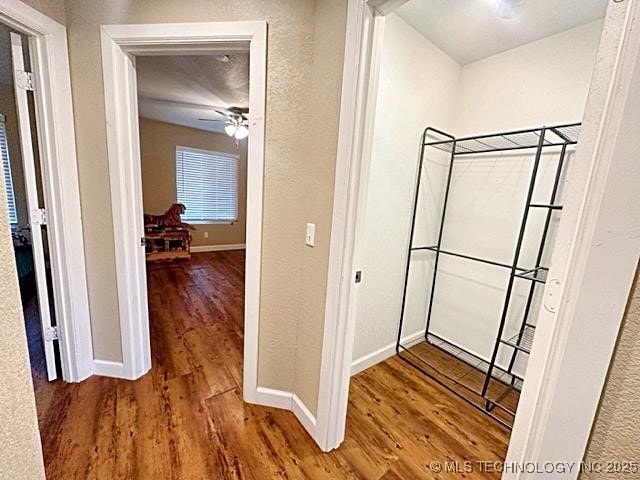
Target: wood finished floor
x: 185, y: 419
x: 468, y: 379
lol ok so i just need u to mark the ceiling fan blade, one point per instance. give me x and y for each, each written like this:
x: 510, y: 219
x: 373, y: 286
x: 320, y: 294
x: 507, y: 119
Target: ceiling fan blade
x: 239, y: 110
x: 211, y: 120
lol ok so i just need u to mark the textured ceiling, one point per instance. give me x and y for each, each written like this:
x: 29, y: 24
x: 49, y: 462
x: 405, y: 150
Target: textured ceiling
x: 469, y: 30
x: 182, y: 89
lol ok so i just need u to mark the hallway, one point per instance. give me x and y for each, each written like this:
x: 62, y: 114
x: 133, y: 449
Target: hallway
x: 186, y: 419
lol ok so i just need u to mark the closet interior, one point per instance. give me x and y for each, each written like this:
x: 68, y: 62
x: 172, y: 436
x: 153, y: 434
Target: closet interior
x: 474, y: 138
x: 497, y: 392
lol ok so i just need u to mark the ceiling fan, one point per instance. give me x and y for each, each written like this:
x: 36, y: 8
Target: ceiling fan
x: 236, y: 123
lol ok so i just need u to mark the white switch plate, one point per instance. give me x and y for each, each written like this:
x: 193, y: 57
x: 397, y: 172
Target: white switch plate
x: 206, y: 234
x: 310, y: 237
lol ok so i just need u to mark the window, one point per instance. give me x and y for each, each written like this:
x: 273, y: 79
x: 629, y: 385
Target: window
x: 6, y: 170
x: 207, y: 184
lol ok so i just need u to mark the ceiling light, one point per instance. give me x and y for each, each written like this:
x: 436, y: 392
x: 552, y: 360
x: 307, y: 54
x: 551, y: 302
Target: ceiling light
x: 242, y: 132
x: 223, y: 58
x: 230, y: 129
x: 509, y: 9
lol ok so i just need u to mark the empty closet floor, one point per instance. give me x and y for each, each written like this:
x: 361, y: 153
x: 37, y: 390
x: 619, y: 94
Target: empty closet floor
x: 411, y: 419
x: 465, y: 375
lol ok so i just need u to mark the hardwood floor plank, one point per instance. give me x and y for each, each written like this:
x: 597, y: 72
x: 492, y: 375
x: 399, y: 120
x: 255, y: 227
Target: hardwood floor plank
x: 185, y: 419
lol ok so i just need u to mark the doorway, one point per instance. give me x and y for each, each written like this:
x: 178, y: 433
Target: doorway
x: 342, y: 300
x: 481, y: 218
x: 40, y: 175
x: 122, y: 45
x: 193, y: 151
x: 25, y: 199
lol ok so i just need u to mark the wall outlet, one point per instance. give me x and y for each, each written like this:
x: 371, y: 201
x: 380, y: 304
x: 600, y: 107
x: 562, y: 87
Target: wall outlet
x: 206, y: 234
x: 310, y: 237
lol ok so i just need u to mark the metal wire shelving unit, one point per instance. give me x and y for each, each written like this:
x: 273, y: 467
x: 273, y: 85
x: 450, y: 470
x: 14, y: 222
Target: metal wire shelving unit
x: 481, y: 395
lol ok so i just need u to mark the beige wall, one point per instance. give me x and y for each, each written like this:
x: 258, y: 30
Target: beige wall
x: 158, y: 141
x: 615, y: 435
x: 305, y: 54
x: 21, y: 456
x: 316, y: 172
x: 51, y: 8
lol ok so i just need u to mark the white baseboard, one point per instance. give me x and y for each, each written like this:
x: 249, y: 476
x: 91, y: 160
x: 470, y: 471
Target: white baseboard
x: 377, y: 356
x: 217, y: 248
x: 270, y: 397
x: 304, y: 416
x: 107, y: 368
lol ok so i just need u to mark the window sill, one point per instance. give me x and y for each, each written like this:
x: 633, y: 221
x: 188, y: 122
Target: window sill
x: 211, y: 222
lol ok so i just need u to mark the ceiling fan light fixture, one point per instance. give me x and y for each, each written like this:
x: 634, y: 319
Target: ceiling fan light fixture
x: 242, y: 132
x: 230, y: 129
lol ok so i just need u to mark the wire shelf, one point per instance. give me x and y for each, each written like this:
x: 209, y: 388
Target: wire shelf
x: 538, y: 274
x: 556, y: 136
x: 524, y: 345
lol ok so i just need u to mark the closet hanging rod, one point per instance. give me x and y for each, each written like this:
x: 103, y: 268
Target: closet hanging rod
x: 546, y: 205
x: 469, y: 257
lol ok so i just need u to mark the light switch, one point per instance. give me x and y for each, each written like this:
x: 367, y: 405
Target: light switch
x: 310, y: 237
x: 206, y: 234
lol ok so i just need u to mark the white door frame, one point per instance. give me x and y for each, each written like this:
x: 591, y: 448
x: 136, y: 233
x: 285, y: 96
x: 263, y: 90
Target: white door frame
x: 596, y: 245
x: 120, y: 44
x: 56, y: 143
x: 357, y: 114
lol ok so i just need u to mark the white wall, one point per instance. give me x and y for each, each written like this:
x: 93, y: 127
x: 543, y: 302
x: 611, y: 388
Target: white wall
x: 538, y: 83
x: 541, y: 83
x: 404, y: 108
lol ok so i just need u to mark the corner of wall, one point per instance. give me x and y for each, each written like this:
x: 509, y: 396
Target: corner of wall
x: 289, y: 401
x: 318, y: 177
x: 19, y: 436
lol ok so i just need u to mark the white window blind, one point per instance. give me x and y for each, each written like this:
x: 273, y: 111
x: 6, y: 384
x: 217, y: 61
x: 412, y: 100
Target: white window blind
x: 207, y: 184
x: 6, y: 170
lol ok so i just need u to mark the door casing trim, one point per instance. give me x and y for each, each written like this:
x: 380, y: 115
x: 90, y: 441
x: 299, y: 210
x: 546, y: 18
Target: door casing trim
x: 120, y: 45
x: 57, y: 147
